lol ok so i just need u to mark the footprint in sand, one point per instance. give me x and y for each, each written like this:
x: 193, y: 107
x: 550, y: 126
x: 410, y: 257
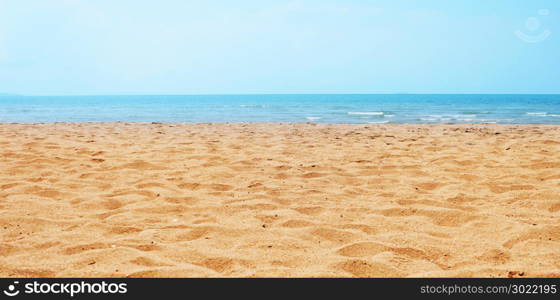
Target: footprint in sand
x: 549, y: 233
x: 362, y: 268
x: 313, y: 175
x: 499, y: 189
x: 219, y: 264
x: 85, y: 247
x: 495, y: 257
x: 296, y: 224
x: 148, y: 262
x: 333, y: 235
x: 364, y: 249
x: 315, y: 210
x: 442, y: 217
x: 140, y: 165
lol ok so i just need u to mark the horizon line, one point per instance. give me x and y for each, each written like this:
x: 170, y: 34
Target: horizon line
x: 257, y: 94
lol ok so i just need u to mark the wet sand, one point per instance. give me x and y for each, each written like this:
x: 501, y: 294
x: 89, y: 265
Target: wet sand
x: 279, y: 200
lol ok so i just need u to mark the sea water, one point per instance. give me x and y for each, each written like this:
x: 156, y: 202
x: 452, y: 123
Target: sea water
x: 320, y: 108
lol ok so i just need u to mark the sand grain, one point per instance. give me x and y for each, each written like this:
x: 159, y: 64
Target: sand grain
x: 252, y: 200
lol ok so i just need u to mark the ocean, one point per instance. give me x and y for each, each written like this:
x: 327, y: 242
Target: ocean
x: 320, y: 108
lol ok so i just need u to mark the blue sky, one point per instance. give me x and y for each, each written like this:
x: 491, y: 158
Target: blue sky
x: 68, y: 47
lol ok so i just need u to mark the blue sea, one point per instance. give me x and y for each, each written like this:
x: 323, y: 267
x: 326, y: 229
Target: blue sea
x: 328, y: 108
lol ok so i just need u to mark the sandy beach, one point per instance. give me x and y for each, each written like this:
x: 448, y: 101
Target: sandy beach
x: 279, y: 200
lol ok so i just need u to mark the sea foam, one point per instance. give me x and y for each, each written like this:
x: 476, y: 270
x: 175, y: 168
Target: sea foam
x: 366, y: 113
x: 313, y: 118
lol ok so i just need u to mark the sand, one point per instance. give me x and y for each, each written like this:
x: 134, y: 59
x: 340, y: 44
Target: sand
x: 279, y: 200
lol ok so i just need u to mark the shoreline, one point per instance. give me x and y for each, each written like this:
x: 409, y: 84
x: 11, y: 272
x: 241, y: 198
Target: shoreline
x: 118, y: 199
x: 278, y: 123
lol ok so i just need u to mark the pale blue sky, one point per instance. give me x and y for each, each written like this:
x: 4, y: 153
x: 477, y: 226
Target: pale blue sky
x: 60, y: 47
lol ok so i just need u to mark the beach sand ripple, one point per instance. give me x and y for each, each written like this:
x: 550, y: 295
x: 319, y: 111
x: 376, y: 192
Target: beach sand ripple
x: 279, y: 200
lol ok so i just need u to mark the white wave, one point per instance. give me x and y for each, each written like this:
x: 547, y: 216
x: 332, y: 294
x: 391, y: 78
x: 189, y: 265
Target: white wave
x: 366, y: 113
x: 313, y: 118
x: 437, y: 118
x: 495, y: 120
x: 456, y: 117
x: 389, y: 116
x: 253, y: 106
x: 543, y: 114
x: 378, y: 122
